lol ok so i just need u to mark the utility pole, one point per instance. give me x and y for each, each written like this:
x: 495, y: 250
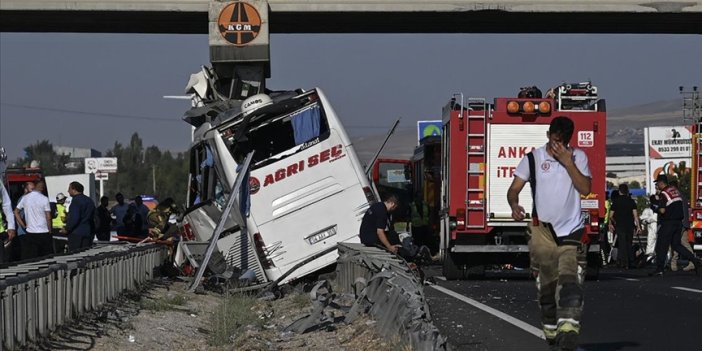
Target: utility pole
x: 153, y: 178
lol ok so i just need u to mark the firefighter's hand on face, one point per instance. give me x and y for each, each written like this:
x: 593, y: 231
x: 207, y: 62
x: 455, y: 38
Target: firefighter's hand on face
x: 518, y: 213
x: 560, y: 152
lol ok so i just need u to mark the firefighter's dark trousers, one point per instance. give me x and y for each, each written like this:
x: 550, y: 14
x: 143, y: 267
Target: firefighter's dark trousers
x: 559, y: 267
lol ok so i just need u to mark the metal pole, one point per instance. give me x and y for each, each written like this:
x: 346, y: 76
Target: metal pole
x: 233, y: 195
x: 375, y: 157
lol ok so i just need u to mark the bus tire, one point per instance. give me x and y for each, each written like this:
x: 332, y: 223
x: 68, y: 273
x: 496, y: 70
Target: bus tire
x: 451, y: 269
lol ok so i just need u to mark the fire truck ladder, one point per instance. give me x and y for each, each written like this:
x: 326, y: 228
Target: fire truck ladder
x: 697, y: 162
x: 475, y: 160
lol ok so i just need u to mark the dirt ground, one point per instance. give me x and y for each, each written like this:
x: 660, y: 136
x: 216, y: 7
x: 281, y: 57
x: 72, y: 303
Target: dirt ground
x: 163, y: 316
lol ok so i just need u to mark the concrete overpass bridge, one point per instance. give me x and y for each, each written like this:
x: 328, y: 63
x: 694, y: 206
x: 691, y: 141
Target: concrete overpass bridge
x: 367, y: 16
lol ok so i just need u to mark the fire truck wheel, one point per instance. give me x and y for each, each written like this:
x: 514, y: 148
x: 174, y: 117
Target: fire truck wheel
x: 451, y: 269
x: 592, y: 271
x: 476, y: 272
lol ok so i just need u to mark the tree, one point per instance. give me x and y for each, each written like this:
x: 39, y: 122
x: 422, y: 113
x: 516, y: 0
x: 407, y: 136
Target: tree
x: 136, y: 167
x: 49, y: 162
x: 684, y: 178
x: 140, y: 168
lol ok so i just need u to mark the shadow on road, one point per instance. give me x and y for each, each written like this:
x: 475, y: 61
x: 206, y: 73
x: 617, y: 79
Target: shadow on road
x: 609, y: 346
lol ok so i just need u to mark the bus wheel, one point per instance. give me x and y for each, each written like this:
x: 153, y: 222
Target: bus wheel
x: 451, y: 269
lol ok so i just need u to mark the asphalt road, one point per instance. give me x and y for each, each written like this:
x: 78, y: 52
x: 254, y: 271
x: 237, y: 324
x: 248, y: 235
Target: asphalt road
x: 624, y: 310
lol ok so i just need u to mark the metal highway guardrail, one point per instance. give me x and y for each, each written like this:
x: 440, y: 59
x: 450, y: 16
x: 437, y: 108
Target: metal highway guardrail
x: 37, y: 297
x: 390, y: 293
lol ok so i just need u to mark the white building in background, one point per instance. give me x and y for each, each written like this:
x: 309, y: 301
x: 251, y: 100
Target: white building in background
x: 76, y: 155
x: 627, y: 169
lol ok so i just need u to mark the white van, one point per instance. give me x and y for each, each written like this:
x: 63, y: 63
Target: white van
x: 307, y: 189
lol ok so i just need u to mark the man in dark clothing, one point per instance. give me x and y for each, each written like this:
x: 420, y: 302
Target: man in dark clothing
x: 624, y: 220
x: 375, y: 226
x: 104, y: 220
x: 80, y: 224
x: 671, y: 214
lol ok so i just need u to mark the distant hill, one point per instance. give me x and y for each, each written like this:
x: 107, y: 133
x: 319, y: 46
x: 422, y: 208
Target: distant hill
x: 625, y: 125
x: 624, y: 131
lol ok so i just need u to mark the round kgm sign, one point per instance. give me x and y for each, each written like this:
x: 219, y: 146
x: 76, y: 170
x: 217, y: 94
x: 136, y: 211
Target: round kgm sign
x: 239, y: 23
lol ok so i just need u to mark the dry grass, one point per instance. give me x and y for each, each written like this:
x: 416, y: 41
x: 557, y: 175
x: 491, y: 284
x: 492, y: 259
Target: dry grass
x: 231, y: 319
x: 165, y: 303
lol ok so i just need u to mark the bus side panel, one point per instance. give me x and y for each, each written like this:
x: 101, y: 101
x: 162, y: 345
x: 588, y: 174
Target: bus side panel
x: 309, y: 193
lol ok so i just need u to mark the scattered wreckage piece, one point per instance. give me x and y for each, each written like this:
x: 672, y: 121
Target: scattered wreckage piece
x: 381, y: 285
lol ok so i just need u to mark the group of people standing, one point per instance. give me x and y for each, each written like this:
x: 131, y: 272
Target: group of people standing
x: 32, y: 223
x: 667, y: 223
x: 136, y: 219
x: 29, y: 229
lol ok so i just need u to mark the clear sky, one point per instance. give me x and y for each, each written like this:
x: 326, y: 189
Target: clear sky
x: 90, y: 90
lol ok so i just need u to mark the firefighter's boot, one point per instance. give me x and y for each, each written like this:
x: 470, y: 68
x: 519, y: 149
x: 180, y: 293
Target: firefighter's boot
x: 567, y: 337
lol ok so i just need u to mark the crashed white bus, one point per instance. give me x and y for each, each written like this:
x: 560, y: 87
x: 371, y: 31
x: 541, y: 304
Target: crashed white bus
x: 307, y: 189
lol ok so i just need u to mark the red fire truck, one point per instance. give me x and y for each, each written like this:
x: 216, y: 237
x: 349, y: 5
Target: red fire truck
x: 416, y: 182
x: 482, y: 143
x: 16, y: 177
x: 696, y: 188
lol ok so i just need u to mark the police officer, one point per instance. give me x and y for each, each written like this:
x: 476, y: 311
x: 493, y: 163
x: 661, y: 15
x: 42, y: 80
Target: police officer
x: 671, y: 214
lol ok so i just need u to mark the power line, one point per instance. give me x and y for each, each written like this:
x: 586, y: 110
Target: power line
x: 373, y: 127
x: 119, y: 116
x: 97, y: 114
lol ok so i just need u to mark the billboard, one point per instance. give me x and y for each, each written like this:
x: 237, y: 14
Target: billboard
x: 665, y: 149
x: 668, y: 142
x: 101, y: 165
x: 672, y: 167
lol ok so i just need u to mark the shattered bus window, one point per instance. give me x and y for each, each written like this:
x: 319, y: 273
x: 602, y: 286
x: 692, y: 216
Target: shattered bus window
x: 274, y: 138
